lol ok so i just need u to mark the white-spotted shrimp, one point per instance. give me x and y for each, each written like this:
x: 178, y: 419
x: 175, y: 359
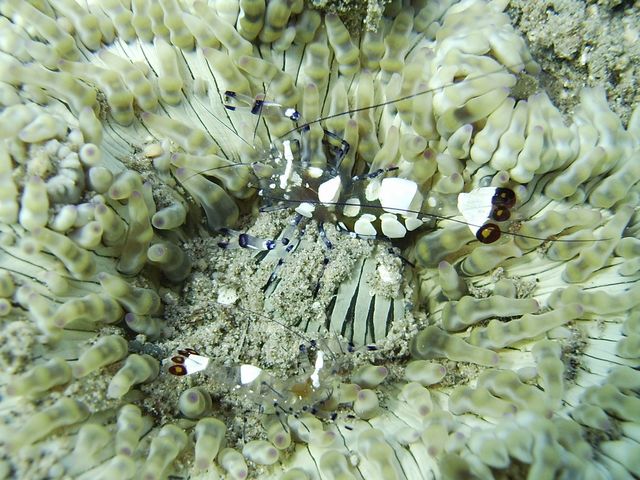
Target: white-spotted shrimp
x: 309, y: 173
x: 300, y: 164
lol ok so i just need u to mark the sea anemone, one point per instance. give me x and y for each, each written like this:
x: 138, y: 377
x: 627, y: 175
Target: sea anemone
x: 134, y: 346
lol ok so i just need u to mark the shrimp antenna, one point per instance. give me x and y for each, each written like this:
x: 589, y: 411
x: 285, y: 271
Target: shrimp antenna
x: 400, y: 99
x: 207, y: 170
x: 435, y: 216
x: 278, y: 322
x: 295, y: 331
x: 228, y: 127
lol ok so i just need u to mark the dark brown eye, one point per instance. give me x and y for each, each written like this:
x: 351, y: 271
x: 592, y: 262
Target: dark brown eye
x: 187, y: 351
x: 488, y: 233
x: 504, y: 197
x: 500, y: 214
x: 176, y: 359
x: 177, y: 370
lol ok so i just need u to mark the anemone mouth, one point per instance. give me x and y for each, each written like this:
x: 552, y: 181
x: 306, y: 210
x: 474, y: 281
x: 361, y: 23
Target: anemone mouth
x: 133, y: 345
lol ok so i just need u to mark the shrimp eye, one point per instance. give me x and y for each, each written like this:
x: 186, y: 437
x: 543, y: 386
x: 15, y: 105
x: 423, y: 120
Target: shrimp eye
x: 187, y: 351
x: 504, y: 197
x: 500, y: 214
x: 488, y: 233
x: 177, y: 370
